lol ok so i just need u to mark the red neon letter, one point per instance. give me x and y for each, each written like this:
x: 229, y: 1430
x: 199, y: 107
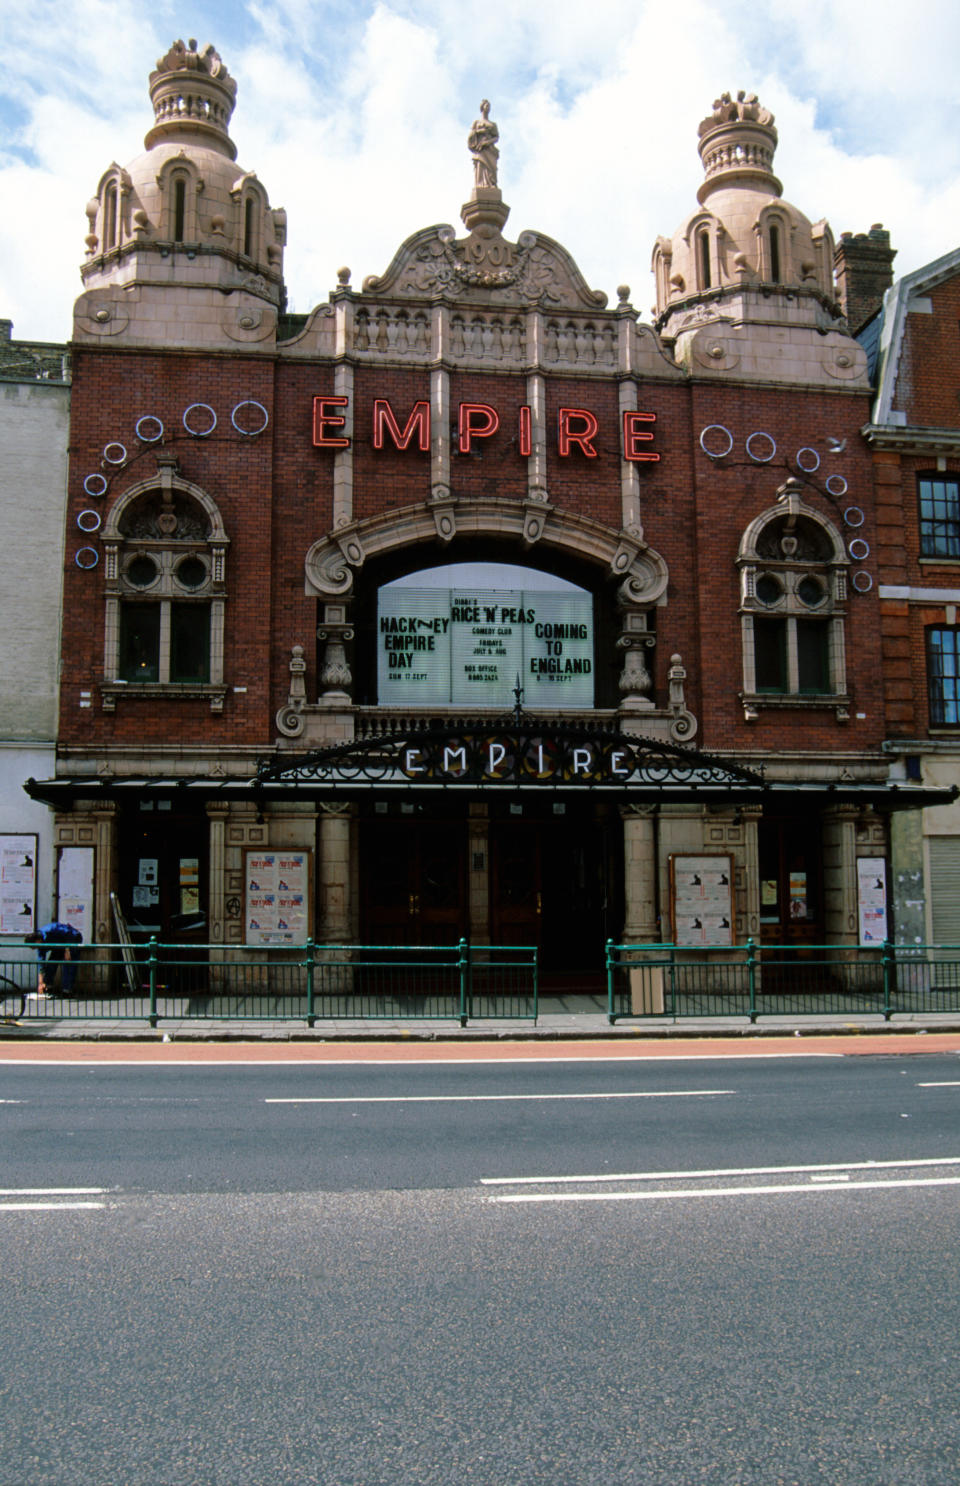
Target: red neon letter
x: 632, y: 436
x: 384, y: 421
x: 566, y: 435
x: 525, y: 432
x: 322, y: 420
x: 488, y: 424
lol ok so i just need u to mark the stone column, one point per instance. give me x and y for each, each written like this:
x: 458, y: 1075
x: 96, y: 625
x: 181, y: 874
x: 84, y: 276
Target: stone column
x: 334, y: 874
x: 640, y: 874
x: 217, y: 899
x: 840, y: 874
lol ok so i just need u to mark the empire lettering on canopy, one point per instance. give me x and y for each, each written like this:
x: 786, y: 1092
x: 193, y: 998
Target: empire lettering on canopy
x: 577, y: 428
x: 508, y: 759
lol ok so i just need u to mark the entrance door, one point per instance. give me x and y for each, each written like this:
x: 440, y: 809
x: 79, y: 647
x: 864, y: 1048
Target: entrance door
x: 413, y: 875
x: 791, y: 896
x: 550, y: 887
x: 163, y: 876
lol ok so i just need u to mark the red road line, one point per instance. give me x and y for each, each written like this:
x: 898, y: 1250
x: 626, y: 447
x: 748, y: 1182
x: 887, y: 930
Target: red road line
x: 890, y: 1043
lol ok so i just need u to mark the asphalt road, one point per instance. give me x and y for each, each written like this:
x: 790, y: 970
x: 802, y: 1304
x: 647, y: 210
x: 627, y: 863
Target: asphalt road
x: 728, y: 1271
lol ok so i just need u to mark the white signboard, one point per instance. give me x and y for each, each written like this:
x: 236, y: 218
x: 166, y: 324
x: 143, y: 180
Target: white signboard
x: 872, y: 899
x: 18, y: 884
x: 460, y: 648
x: 277, y: 904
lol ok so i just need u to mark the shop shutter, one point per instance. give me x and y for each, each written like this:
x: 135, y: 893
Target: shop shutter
x: 945, y: 888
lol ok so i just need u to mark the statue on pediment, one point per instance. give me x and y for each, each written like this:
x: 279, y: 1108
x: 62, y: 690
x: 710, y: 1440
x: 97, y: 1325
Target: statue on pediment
x: 482, y: 143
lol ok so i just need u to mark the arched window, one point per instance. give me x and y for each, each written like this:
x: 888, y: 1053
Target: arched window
x: 793, y: 573
x: 703, y: 257
x: 165, y: 570
x: 179, y: 208
x: 250, y: 228
x: 110, y: 217
x: 775, y: 254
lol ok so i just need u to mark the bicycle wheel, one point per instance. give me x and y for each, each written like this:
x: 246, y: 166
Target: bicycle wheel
x: 13, y: 1000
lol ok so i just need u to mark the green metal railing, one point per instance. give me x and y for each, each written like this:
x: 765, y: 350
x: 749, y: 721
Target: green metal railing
x: 753, y: 980
x: 311, y: 983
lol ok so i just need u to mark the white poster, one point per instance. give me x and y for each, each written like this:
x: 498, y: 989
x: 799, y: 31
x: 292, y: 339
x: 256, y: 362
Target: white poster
x: 75, y: 889
x: 872, y: 899
x: 18, y: 884
x: 471, y: 648
x: 702, y: 899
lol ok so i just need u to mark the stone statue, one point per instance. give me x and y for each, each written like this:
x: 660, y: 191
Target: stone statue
x: 482, y: 142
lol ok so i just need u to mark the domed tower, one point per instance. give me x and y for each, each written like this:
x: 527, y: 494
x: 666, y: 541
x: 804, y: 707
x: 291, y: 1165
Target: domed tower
x: 746, y: 282
x: 183, y: 247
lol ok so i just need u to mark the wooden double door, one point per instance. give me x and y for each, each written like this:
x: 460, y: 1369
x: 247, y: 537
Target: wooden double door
x: 550, y: 882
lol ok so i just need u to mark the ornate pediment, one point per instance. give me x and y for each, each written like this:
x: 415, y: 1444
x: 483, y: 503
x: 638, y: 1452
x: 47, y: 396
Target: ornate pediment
x: 485, y: 268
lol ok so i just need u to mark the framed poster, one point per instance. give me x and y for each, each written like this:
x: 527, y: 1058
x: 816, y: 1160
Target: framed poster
x: 701, y: 898
x: 872, y: 899
x: 18, y: 884
x: 277, y: 896
x: 75, y: 866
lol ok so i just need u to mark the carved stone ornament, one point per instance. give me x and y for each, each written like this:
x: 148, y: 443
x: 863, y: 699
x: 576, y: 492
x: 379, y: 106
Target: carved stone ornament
x: 534, y: 270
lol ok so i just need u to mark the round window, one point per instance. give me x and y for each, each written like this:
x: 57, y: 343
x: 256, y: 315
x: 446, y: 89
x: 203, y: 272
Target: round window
x: 810, y: 592
x: 191, y: 573
x: 141, y: 572
x: 768, y: 589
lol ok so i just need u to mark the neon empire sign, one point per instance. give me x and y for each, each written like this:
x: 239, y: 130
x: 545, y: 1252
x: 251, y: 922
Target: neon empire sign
x: 577, y: 428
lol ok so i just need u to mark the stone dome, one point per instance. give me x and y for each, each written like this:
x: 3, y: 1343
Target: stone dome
x: 183, y: 211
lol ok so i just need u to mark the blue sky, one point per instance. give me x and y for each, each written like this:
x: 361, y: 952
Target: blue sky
x: 354, y: 116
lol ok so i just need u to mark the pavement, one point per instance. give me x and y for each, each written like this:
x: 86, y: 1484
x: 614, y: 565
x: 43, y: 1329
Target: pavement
x: 560, y: 1019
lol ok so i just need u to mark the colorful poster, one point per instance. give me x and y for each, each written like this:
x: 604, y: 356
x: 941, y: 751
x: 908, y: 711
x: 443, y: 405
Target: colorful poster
x: 18, y: 884
x: 277, y: 897
x: 75, y: 889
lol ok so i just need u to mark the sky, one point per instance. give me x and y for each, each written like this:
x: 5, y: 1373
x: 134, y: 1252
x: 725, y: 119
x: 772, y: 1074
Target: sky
x: 354, y: 116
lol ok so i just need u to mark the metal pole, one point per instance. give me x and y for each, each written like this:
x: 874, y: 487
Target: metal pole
x: 464, y: 967
x: 311, y: 1017
x: 752, y: 977
x: 152, y: 973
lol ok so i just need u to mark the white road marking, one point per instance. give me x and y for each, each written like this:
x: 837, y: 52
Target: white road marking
x: 663, y: 1176
x: 493, y: 1098
x: 771, y: 1191
x: 52, y: 1191
x: 953, y: 1083
x: 45, y: 1207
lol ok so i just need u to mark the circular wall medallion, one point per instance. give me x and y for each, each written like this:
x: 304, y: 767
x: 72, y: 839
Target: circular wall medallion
x: 761, y: 458
x: 89, y: 521
x: 199, y: 433
x: 111, y: 455
x: 145, y: 435
x: 836, y: 485
x: 250, y: 433
x: 808, y: 460
x: 87, y: 557
x: 853, y: 516
x: 714, y: 453
x: 862, y: 582
x: 859, y: 549
x: 95, y: 485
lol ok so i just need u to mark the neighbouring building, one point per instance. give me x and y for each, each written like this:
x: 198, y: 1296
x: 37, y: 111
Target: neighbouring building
x: 469, y: 603
x: 34, y: 424
x: 914, y: 433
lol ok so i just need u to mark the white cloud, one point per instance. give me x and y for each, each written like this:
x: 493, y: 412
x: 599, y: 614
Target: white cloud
x: 355, y: 115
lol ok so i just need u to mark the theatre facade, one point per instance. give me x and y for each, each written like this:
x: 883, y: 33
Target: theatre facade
x: 469, y: 604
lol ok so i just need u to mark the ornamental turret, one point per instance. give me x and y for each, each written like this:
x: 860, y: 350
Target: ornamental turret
x: 746, y: 282
x: 183, y: 247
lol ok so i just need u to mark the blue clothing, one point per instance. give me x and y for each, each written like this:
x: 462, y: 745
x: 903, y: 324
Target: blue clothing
x: 56, y: 939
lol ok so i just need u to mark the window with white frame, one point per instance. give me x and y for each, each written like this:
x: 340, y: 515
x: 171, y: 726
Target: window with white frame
x: 793, y: 579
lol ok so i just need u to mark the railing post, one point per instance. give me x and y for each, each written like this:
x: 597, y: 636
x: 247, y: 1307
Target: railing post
x: 311, y: 1016
x: 611, y: 1014
x: 536, y: 984
x: 464, y: 968
x: 152, y: 978
x: 889, y: 967
x: 752, y: 977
